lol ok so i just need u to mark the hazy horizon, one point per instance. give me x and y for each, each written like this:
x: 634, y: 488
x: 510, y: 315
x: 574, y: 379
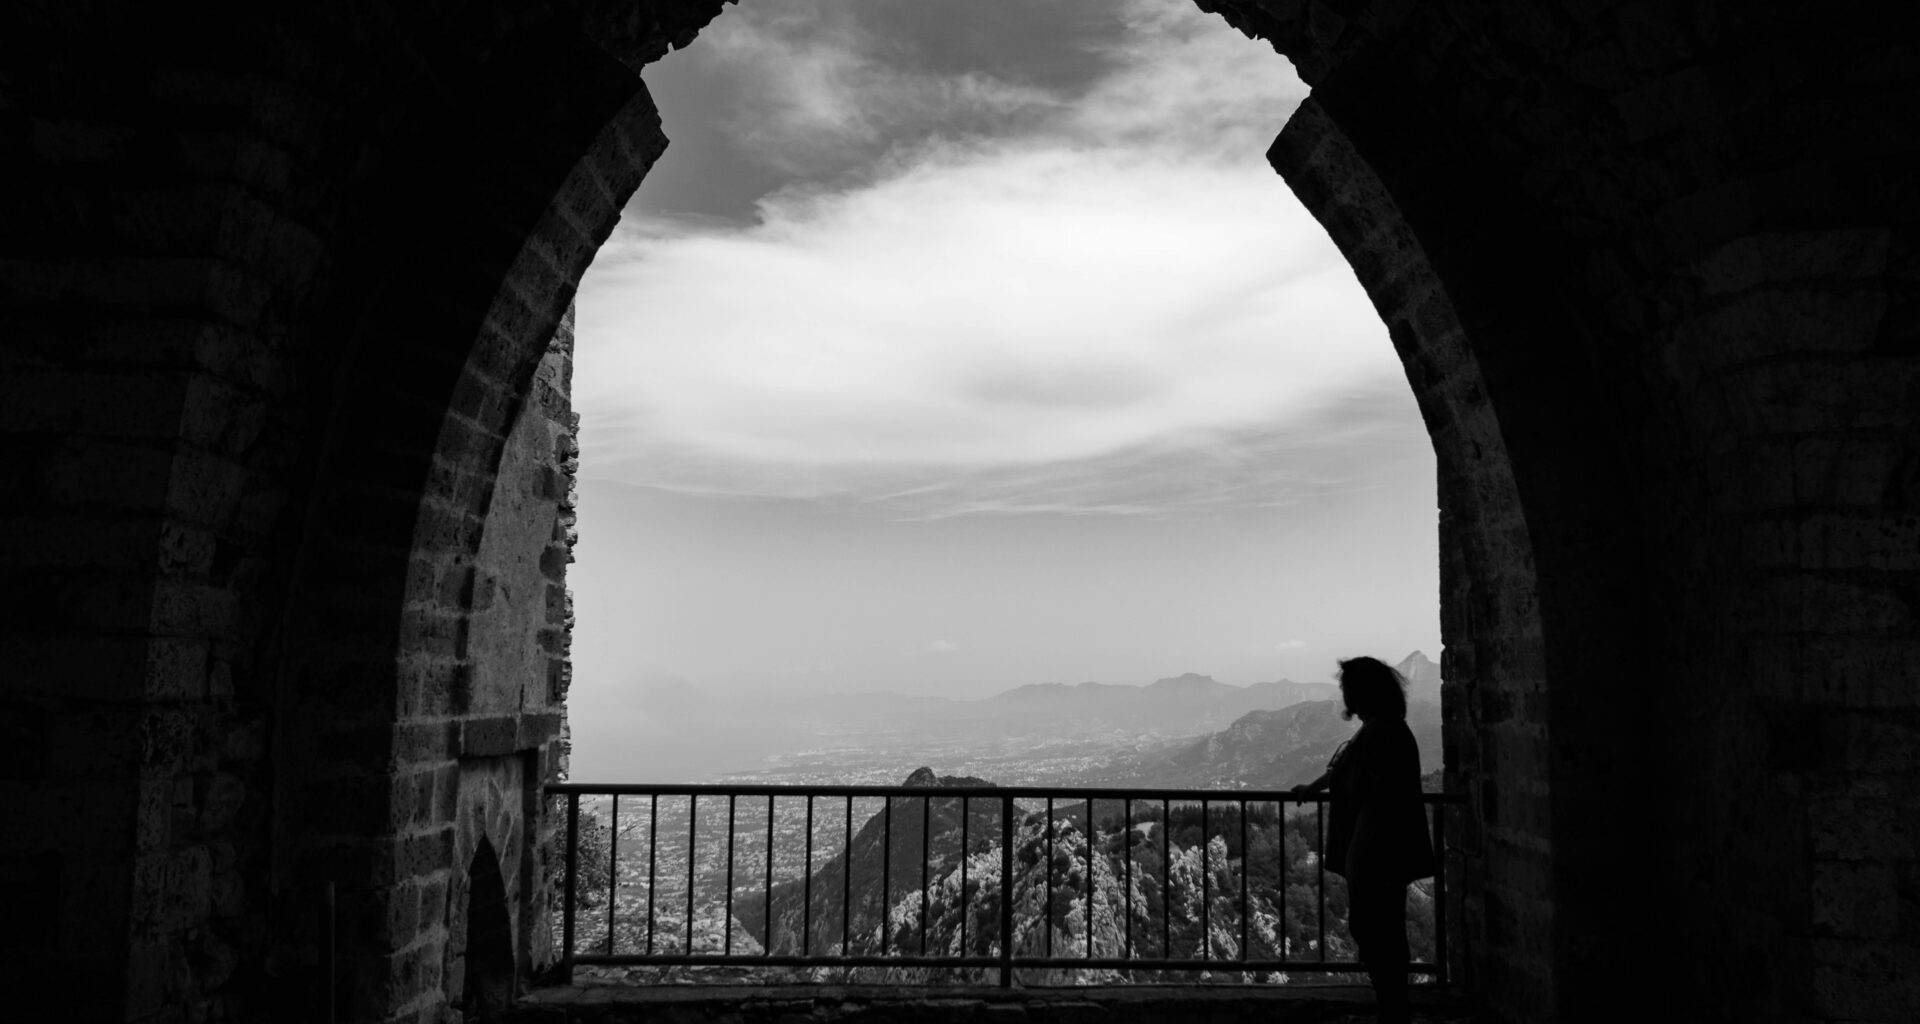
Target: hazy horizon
x: 952, y: 348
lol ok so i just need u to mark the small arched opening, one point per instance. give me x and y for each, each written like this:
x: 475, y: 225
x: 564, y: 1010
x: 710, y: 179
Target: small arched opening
x: 485, y: 962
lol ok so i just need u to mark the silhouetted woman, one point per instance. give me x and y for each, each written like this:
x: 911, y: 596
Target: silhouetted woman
x: 1377, y: 837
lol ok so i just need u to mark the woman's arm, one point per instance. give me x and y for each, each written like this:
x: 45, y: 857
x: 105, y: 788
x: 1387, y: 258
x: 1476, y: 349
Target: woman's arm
x: 1318, y: 785
x: 1325, y: 781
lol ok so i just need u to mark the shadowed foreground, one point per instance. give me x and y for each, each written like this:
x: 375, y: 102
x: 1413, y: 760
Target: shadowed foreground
x: 1132, y: 1005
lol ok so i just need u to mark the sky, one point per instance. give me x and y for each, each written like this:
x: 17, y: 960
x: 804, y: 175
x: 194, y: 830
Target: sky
x: 957, y: 345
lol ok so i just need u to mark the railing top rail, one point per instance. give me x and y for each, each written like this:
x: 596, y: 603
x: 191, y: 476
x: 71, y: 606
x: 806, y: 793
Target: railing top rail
x: 995, y: 792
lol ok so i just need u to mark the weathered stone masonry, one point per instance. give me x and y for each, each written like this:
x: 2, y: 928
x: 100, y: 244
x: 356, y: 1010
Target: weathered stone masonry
x: 286, y: 444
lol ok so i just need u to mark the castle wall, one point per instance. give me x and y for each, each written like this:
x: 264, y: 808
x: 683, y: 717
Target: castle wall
x: 283, y: 432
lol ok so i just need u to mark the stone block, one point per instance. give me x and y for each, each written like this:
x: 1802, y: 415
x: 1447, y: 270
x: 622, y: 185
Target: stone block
x: 1836, y: 605
x: 183, y: 608
x: 424, y: 853
x: 489, y: 737
x: 433, y: 634
x: 426, y: 743
x: 205, y: 488
x: 177, y: 669
x: 172, y: 892
x: 221, y: 798
x: 1862, y: 541
x: 1886, y: 743
x: 230, y: 896
x: 1855, y: 900
x: 1865, y: 818
x: 1862, y: 672
x: 535, y: 730
x: 1792, y: 257
x: 432, y: 903
x: 1865, y: 980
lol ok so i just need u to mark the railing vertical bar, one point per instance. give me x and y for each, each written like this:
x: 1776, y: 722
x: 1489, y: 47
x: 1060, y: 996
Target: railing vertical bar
x: 1166, y: 879
x: 1206, y: 875
x: 1126, y: 824
x: 846, y: 884
x: 653, y: 851
x: 573, y: 882
x: 965, y: 810
x: 806, y: 885
x: 1006, y: 891
x: 1089, y: 878
x: 1046, y: 890
x: 1440, y: 891
x: 886, y: 873
x: 693, y: 831
x: 1320, y: 862
x: 1245, y: 852
x: 766, y: 942
x: 613, y: 867
x: 726, y: 920
x: 1280, y: 845
x: 926, y: 857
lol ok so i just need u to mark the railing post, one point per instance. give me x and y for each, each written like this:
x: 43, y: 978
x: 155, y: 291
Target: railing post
x: 330, y: 958
x: 613, y: 867
x: 1006, y: 891
x: 1440, y: 891
x: 573, y: 881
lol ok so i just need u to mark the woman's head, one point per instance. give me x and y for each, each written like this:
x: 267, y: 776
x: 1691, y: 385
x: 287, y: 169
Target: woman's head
x: 1372, y: 689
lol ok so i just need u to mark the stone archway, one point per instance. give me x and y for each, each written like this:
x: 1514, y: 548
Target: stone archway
x: 1552, y: 573
x: 281, y: 280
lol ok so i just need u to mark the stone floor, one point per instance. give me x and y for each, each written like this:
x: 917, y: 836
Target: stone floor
x: 1134, y: 1005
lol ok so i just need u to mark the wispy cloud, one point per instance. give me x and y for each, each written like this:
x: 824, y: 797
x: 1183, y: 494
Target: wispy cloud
x: 1094, y: 300
x: 822, y: 82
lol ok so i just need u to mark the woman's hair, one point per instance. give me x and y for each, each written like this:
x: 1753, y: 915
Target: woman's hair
x: 1372, y: 688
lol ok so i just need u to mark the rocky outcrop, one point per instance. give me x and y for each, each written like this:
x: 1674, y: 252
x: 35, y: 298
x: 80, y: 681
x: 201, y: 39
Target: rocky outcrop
x: 841, y: 903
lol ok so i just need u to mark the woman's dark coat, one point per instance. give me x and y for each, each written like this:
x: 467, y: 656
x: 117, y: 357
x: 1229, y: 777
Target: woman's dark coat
x: 1379, y: 769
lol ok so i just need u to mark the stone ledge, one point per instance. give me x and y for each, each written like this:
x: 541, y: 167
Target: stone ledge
x: 688, y: 1004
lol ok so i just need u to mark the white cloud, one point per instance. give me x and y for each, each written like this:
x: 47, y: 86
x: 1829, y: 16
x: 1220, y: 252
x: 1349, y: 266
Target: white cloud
x: 819, y: 85
x: 1070, y: 317
x: 942, y: 647
x: 1289, y: 645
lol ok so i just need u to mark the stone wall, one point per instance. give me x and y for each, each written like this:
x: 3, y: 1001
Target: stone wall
x: 276, y: 285
x: 1677, y: 237
x: 284, y: 442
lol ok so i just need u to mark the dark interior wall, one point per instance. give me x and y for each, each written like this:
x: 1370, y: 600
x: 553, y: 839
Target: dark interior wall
x: 284, y: 442
x: 1678, y: 238
x: 276, y: 285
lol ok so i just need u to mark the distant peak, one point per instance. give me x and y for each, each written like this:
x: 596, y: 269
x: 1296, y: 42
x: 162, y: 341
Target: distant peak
x: 1188, y: 679
x: 922, y: 776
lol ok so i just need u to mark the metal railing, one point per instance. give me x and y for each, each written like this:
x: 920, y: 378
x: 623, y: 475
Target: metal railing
x: 983, y: 924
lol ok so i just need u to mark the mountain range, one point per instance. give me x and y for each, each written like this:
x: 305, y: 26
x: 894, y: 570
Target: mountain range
x: 1131, y: 725
x: 1177, y: 706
